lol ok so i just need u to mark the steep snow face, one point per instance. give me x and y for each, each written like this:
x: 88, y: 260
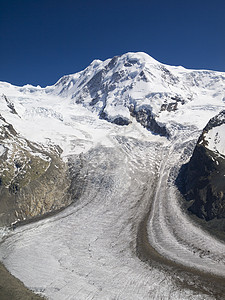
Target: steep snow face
x: 135, y: 80
x: 214, y: 134
x: 216, y: 139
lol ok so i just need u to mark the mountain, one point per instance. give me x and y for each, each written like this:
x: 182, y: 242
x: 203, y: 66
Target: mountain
x: 205, y: 178
x: 134, y: 86
x: 94, y: 161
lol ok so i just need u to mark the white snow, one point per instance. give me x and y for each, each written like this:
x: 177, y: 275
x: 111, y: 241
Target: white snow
x: 2, y: 150
x: 216, y: 139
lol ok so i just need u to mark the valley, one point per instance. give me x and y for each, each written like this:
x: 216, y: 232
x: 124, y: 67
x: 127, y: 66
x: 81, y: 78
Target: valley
x: 124, y: 231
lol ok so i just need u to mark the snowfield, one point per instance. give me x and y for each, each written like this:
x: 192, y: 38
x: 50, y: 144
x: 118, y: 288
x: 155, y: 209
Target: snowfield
x: 127, y: 236
x: 215, y: 139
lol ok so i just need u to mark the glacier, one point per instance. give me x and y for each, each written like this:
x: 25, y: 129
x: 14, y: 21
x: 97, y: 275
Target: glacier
x: 129, y: 123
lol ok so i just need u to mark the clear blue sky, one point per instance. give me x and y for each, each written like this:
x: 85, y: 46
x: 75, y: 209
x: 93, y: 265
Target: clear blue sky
x: 42, y: 40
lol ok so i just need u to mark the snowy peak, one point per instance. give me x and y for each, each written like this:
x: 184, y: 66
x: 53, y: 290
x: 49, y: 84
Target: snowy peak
x: 136, y: 82
x: 213, y: 136
x: 118, y: 69
x: 131, y: 86
x: 137, y: 66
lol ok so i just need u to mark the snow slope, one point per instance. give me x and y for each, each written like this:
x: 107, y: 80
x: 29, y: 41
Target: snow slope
x: 215, y: 137
x: 91, y: 249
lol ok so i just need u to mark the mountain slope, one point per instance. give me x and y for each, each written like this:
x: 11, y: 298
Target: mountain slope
x: 33, y: 179
x: 135, y: 85
x: 205, y: 182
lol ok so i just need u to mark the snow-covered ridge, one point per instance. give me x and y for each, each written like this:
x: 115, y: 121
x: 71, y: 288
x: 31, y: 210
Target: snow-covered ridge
x: 214, y: 134
x: 216, y: 139
x: 115, y: 88
x: 137, y: 79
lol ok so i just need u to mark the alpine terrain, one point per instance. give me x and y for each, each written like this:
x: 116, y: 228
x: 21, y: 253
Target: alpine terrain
x: 112, y: 183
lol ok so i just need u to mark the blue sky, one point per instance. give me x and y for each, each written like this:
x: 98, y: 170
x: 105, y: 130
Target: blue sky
x: 42, y: 40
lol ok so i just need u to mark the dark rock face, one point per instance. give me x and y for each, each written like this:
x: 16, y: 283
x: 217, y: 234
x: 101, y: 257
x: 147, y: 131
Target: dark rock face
x: 145, y: 117
x: 204, y: 178
x: 169, y: 107
x: 205, y: 184
x: 172, y: 106
x: 121, y: 121
x: 118, y: 121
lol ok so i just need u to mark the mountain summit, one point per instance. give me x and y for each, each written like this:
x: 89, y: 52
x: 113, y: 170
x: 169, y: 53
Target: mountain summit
x: 136, y: 85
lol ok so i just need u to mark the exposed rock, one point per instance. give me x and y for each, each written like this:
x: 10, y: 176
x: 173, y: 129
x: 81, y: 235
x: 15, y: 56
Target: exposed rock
x: 34, y: 181
x: 205, y: 177
x: 169, y: 107
x: 172, y: 106
x: 146, y: 118
x: 118, y: 121
x: 205, y: 184
x: 12, y: 288
x: 10, y: 105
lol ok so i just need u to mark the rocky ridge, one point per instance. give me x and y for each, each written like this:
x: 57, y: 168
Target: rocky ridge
x: 34, y: 181
x: 205, y: 174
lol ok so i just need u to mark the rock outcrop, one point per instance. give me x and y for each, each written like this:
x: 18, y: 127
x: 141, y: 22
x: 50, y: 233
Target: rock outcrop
x: 205, y: 172
x: 34, y: 180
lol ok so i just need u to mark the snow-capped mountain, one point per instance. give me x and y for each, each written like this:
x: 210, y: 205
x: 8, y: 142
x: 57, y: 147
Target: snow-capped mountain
x: 112, y: 139
x: 134, y: 85
x: 135, y: 81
